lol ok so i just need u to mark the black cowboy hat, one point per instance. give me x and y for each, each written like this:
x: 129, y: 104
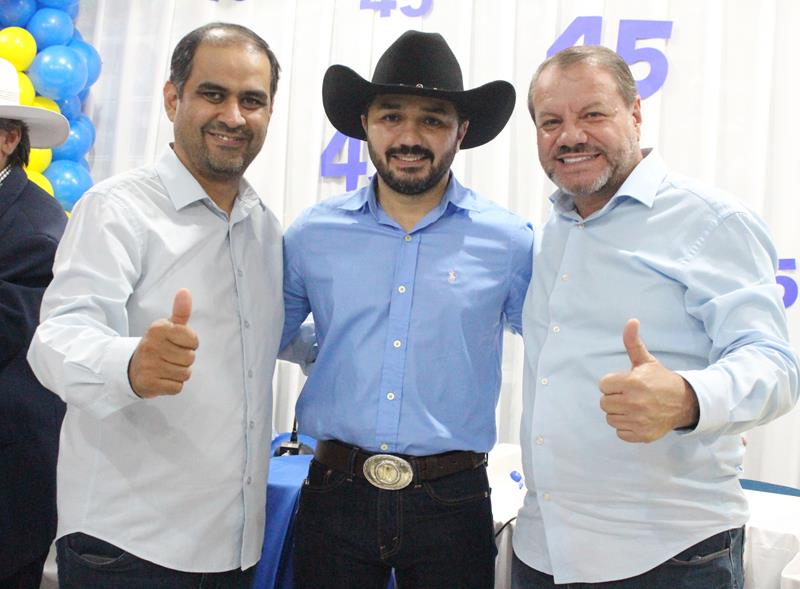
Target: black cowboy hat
x: 421, y: 64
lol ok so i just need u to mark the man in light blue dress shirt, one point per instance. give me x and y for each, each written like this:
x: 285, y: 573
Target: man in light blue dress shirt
x: 411, y: 281
x: 162, y: 469
x: 654, y: 335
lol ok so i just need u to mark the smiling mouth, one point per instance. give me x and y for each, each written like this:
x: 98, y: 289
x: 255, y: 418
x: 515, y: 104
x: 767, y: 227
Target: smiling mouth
x: 569, y: 160
x: 227, y: 139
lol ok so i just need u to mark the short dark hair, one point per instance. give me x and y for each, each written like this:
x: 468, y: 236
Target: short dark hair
x: 19, y: 157
x: 183, y: 55
x: 595, y: 55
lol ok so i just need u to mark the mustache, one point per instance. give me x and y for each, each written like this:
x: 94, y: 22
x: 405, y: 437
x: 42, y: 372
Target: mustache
x: 241, y: 132
x: 409, y: 150
x: 578, y: 148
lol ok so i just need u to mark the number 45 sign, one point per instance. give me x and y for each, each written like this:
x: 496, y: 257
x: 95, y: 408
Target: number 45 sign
x: 589, y: 28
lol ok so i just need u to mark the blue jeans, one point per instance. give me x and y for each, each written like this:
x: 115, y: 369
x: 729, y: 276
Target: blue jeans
x: 435, y: 535
x: 85, y: 561
x: 714, y: 563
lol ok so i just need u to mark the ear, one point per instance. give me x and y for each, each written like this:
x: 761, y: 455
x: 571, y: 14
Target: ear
x: 364, y: 122
x: 171, y: 100
x: 637, y: 115
x: 462, y: 131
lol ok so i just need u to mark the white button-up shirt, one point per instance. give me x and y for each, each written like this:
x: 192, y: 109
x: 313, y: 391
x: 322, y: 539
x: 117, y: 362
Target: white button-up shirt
x: 177, y: 480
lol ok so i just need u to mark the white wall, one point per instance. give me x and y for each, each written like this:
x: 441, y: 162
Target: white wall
x: 725, y: 114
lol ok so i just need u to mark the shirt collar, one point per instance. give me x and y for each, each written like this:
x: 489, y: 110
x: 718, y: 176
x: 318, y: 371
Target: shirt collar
x: 4, y: 173
x: 183, y: 189
x: 364, y: 198
x: 641, y: 184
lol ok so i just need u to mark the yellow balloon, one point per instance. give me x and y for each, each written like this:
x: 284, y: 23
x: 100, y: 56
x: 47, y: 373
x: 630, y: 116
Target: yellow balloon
x: 41, y: 181
x: 39, y: 159
x: 27, y: 93
x: 18, y: 46
x: 48, y: 103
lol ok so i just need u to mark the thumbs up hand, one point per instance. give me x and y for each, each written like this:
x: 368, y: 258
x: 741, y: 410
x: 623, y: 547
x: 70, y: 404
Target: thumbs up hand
x: 163, y: 360
x: 649, y: 401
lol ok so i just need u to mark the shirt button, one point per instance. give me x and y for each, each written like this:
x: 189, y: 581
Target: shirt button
x: 397, y: 343
x: 252, y: 424
x: 545, y: 381
x: 249, y: 374
x: 240, y: 272
x: 390, y: 396
x: 249, y: 480
x: 556, y: 329
x: 579, y: 225
x: 546, y: 496
x: 401, y: 289
x: 539, y: 441
x: 384, y: 447
x: 246, y: 324
x: 564, y: 277
x: 408, y: 238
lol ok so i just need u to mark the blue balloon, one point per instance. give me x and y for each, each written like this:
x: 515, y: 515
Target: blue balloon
x: 86, y: 126
x: 70, y: 107
x: 77, y: 145
x: 69, y: 179
x: 83, y: 94
x: 50, y: 26
x: 62, y: 4
x: 90, y: 56
x: 58, y: 72
x: 76, y: 34
x: 16, y: 13
x: 85, y: 164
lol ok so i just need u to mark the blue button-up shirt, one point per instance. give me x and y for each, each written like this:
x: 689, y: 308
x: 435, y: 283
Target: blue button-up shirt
x: 409, y: 325
x: 698, y: 270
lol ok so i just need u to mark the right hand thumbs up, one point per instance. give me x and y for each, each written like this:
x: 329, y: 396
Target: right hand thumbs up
x: 163, y: 360
x: 181, y: 307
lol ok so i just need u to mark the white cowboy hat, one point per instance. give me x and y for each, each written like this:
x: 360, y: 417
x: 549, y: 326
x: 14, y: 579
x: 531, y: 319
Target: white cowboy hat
x: 47, y: 128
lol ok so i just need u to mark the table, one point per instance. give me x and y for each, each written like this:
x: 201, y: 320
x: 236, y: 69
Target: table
x: 772, y: 546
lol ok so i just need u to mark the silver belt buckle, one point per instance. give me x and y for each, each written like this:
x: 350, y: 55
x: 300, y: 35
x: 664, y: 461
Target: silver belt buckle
x: 388, y: 472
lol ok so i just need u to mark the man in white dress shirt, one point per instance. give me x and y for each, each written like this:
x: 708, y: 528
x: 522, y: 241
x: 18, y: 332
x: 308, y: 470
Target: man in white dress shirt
x: 160, y: 332
x: 654, y: 335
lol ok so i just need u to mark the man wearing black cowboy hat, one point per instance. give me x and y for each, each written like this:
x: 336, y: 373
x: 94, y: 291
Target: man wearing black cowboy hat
x: 31, y: 224
x: 410, y: 281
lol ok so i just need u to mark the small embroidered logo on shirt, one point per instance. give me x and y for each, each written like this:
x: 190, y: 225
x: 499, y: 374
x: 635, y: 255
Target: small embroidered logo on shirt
x: 451, y: 276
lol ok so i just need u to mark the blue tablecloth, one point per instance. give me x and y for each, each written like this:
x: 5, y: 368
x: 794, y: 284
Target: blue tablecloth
x: 286, y: 476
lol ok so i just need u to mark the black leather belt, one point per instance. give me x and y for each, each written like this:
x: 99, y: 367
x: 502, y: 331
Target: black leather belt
x: 394, y: 471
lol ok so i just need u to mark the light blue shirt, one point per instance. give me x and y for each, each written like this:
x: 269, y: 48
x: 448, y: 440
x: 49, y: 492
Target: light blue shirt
x: 177, y: 480
x: 409, y: 325
x: 698, y: 270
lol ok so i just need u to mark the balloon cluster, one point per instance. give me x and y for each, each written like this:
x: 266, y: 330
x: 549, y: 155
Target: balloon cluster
x: 56, y: 67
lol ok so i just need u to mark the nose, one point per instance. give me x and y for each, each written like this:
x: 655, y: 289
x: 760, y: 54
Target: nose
x: 230, y: 113
x: 572, y: 133
x: 408, y: 133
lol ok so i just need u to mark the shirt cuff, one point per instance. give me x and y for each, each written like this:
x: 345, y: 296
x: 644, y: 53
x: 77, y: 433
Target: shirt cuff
x: 713, y: 415
x: 117, y: 391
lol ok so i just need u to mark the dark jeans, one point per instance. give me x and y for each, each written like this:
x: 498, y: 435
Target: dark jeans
x: 435, y: 535
x: 28, y: 577
x: 85, y: 561
x: 714, y: 563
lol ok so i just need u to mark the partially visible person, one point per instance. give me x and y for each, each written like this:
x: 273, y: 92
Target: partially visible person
x: 411, y: 282
x: 165, y: 445
x: 654, y: 335
x: 31, y: 224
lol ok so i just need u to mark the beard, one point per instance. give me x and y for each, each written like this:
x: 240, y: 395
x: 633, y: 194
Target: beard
x: 617, y: 169
x: 412, y: 186
x: 223, y: 164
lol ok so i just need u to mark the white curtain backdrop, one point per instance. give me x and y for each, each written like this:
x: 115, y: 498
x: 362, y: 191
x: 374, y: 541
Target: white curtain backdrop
x: 726, y: 113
